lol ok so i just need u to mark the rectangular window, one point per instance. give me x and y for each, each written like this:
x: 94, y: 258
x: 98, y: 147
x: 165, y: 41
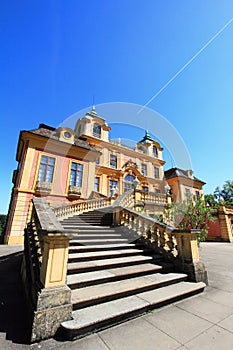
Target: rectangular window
x: 188, y: 193
x: 197, y: 195
x: 157, y: 190
x: 155, y: 151
x: 144, y: 169
x: 145, y: 189
x: 46, y: 169
x: 156, y: 172
x: 112, y: 187
x: 97, y: 161
x: 113, y: 161
x: 97, y: 130
x: 97, y: 184
x: 76, y: 174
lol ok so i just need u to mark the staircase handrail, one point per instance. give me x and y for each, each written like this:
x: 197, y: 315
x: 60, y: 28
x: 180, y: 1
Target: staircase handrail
x: 126, y: 199
x: 133, y: 197
x: 181, y: 246
x: 44, y: 271
x: 66, y: 210
x: 154, y: 197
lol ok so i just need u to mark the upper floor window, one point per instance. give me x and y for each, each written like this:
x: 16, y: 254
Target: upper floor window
x: 97, y: 130
x: 155, y: 151
x: 97, y: 161
x: 76, y: 174
x: 142, y: 148
x: 46, y: 169
x: 145, y: 188
x: 97, y: 184
x: 113, y: 161
x: 156, y: 172
x: 197, y: 195
x: 144, y: 169
x: 188, y: 193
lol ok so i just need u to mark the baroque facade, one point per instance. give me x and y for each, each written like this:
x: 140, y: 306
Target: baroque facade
x: 65, y: 165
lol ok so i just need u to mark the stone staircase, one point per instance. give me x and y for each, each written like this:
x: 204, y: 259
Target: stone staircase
x: 112, y: 278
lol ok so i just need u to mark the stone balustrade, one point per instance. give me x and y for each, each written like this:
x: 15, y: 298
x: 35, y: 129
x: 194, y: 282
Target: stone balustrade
x: 78, y: 207
x: 152, y: 197
x: 125, y: 200
x: 176, y: 246
x: 44, y: 271
x: 135, y: 198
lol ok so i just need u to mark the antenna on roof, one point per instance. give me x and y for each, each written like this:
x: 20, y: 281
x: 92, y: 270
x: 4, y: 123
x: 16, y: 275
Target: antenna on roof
x: 93, y: 104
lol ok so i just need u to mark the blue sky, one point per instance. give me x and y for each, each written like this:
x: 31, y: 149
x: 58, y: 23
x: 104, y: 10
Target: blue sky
x: 55, y: 55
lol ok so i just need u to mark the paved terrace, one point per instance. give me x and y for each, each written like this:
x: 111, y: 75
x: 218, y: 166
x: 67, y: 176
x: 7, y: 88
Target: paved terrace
x: 202, y: 322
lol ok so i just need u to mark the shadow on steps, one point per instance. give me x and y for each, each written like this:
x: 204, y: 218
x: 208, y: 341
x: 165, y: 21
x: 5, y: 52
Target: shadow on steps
x: 13, y: 308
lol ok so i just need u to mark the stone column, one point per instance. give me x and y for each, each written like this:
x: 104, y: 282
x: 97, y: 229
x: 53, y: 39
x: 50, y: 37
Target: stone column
x: 49, y: 299
x: 54, y: 263
x: 225, y: 224
x: 188, y: 256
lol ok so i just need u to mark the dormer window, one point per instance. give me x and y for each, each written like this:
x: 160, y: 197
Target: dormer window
x: 97, y: 130
x: 155, y: 151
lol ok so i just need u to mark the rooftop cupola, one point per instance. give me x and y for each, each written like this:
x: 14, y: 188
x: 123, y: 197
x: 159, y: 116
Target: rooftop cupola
x: 149, y: 146
x: 92, y: 125
x: 147, y: 139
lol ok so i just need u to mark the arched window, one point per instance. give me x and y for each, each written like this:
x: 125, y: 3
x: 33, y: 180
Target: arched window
x: 129, y: 182
x: 97, y: 130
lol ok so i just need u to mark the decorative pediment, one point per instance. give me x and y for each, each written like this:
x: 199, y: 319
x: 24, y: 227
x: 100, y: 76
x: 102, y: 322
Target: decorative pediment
x: 130, y: 164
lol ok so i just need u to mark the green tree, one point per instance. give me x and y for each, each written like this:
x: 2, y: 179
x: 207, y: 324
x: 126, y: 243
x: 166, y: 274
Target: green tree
x: 211, y: 200
x: 227, y: 193
x: 2, y: 223
x: 192, y: 214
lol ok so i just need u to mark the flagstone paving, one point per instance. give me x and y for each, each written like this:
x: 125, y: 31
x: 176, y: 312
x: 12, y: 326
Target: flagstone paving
x: 204, y: 321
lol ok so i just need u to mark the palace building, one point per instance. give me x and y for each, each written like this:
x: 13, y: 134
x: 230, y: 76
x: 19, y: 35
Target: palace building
x: 67, y: 165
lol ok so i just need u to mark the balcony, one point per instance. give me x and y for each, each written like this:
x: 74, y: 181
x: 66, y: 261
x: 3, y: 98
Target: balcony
x: 74, y: 192
x: 43, y: 187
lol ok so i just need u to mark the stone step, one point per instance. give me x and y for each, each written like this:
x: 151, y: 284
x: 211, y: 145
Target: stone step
x: 96, y: 235
x: 91, y: 234
x: 103, y: 241
x: 87, y: 296
x: 87, y: 221
x: 99, y: 213
x: 103, y: 276
x: 91, y: 215
x: 87, y: 256
x: 109, y: 313
x: 107, y: 263
x: 76, y: 247
x: 89, y: 227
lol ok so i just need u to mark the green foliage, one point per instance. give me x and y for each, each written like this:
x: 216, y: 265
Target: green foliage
x: 211, y: 200
x: 192, y: 214
x: 227, y: 192
x: 221, y: 196
x: 2, y: 223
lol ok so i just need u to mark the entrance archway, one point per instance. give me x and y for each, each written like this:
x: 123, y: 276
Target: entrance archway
x: 129, y: 182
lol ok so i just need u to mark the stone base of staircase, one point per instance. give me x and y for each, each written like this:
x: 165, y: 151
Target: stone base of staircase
x: 113, y: 279
x: 107, y: 314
